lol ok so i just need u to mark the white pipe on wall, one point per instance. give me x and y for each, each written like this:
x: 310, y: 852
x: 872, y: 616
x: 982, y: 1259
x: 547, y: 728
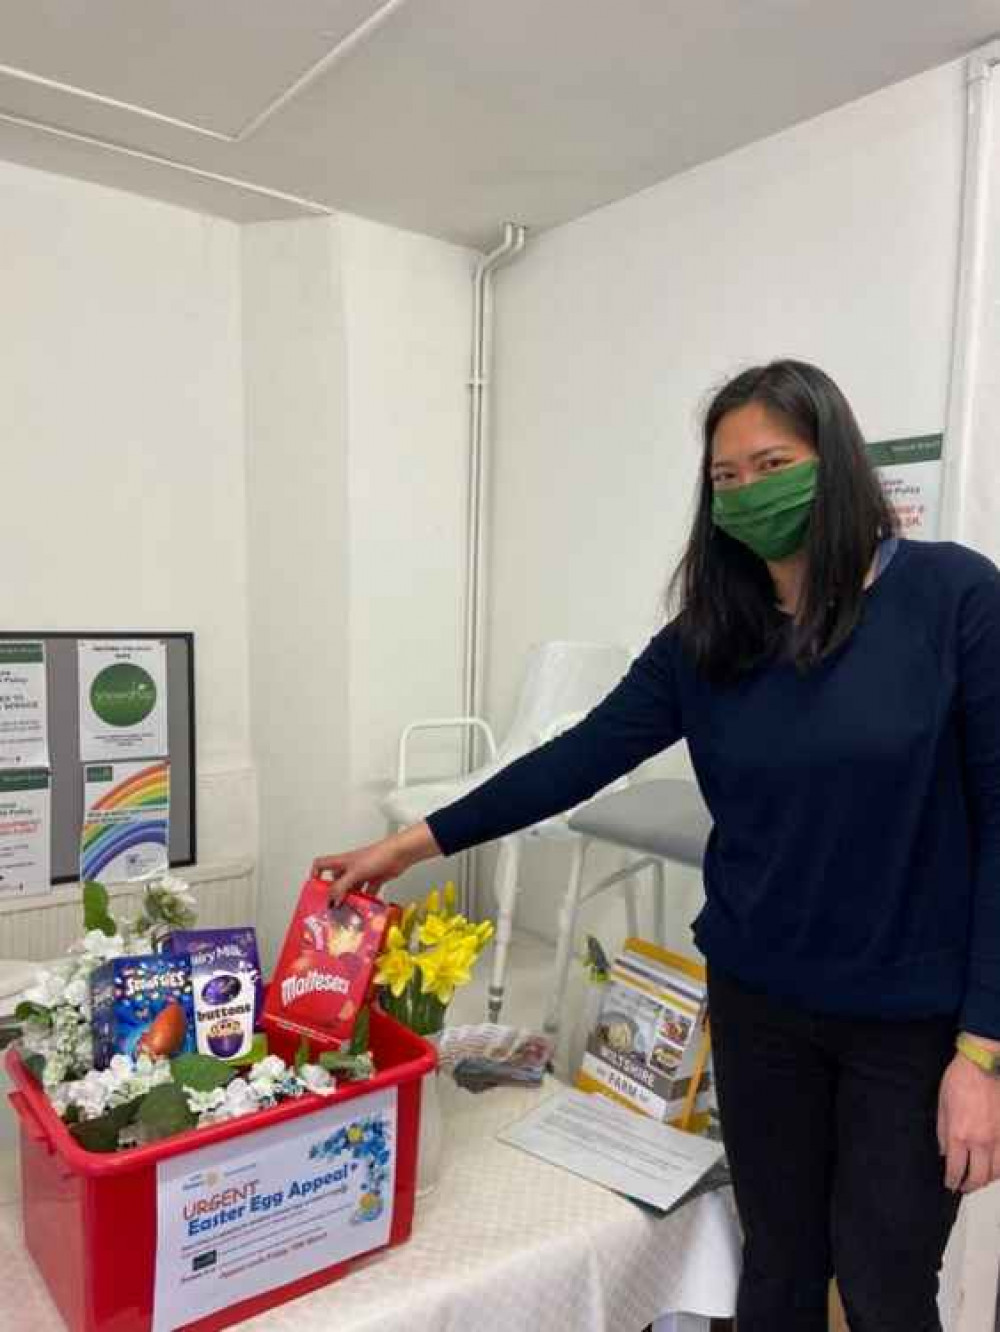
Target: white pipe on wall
x: 971, y: 1276
x: 971, y: 269
x: 513, y: 243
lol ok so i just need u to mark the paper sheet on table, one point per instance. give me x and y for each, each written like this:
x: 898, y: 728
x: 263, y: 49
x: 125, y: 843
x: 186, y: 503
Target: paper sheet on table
x: 629, y: 1153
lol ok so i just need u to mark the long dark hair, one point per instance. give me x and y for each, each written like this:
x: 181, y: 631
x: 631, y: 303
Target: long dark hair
x: 727, y: 617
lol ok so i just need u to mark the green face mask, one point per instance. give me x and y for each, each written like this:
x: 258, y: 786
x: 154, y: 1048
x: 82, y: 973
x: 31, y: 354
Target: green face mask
x: 771, y: 515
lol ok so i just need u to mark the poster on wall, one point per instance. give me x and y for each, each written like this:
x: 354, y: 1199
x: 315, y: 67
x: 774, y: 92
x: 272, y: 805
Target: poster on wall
x: 240, y: 1217
x: 123, y: 699
x: 24, y: 740
x: 24, y: 832
x: 126, y: 821
x: 910, y: 471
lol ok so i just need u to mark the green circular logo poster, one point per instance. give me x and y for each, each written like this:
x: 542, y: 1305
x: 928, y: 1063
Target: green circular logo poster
x: 123, y: 694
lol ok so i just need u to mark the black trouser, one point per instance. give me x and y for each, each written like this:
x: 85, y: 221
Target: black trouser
x: 830, y: 1129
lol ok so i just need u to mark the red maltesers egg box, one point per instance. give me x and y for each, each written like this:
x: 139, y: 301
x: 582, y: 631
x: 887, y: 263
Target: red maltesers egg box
x: 324, y: 974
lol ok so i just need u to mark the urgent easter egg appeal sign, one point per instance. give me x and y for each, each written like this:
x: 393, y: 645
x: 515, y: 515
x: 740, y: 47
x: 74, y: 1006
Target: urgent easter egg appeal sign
x: 242, y: 1217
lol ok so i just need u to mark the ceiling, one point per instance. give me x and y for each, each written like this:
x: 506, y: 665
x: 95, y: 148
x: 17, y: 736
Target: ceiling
x: 442, y: 116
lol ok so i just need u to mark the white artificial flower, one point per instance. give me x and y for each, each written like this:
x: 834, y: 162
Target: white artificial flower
x: 174, y: 887
x: 318, y: 1079
x: 240, y: 1099
x: 77, y: 992
x: 101, y: 945
x: 48, y: 990
x: 268, y: 1069
x: 205, y: 1103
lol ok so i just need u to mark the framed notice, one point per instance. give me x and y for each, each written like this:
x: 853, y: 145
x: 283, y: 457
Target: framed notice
x: 126, y: 700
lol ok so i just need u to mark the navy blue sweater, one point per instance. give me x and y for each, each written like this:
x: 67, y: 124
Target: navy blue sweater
x: 854, y: 867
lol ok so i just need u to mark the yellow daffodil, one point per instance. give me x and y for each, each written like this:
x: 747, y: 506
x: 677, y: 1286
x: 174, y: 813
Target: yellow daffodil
x: 395, y: 967
x: 395, y: 939
x: 436, y: 928
x: 444, y: 968
x: 406, y: 923
x: 450, y: 897
x: 432, y: 903
x: 484, y: 933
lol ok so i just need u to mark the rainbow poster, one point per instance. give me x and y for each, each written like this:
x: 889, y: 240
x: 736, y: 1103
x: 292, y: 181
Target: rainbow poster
x: 126, y: 824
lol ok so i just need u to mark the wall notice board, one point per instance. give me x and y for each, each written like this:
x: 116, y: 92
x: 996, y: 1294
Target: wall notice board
x: 96, y: 713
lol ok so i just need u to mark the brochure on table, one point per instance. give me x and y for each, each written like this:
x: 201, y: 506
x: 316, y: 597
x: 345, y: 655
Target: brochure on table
x: 591, y: 1136
x: 649, y: 1045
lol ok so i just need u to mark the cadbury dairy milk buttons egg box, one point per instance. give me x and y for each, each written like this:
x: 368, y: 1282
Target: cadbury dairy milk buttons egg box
x: 325, y: 969
x: 225, y: 987
x: 141, y: 1005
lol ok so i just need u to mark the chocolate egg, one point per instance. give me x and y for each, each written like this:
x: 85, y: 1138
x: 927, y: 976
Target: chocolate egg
x: 225, y: 1039
x: 221, y: 989
x: 165, y: 1034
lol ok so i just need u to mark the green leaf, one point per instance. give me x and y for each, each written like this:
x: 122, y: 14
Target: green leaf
x: 164, y: 1111
x: 35, y: 1064
x: 302, y: 1053
x: 355, y: 1067
x: 101, y: 1134
x: 596, y: 958
x: 29, y: 1012
x: 96, y: 1135
x: 359, y: 1041
x: 96, y: 915
x: 257, y: 1051
x: 201, y: 1072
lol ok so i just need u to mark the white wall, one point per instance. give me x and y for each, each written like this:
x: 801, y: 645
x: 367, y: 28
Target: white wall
x: 835, y: 241
x: 298, y: 549
x: 356, y: 340
x: 408, y: 313
x: 122, y: 436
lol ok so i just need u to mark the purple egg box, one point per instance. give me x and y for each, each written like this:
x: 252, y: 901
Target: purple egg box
x: 226, y: 987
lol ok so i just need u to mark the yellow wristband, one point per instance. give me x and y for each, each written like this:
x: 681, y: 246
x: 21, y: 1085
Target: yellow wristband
x: 987, y: 1060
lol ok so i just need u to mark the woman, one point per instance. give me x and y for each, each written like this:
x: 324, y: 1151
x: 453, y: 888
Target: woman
x: 839, y: 691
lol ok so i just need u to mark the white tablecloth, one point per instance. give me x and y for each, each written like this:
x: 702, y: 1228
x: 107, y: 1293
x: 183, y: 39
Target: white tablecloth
x: 505, y: 1243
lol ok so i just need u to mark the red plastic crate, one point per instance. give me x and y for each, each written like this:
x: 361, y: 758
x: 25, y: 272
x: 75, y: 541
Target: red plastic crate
x: 90, y: 1218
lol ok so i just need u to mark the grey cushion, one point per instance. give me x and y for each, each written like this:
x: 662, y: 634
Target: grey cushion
x: 665, y: 818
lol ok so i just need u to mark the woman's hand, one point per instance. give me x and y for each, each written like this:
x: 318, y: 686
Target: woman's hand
x: 968, y: 1125
x: 368, y: 867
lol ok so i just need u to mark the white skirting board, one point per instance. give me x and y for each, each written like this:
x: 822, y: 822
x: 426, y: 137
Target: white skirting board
x: 40, y: 928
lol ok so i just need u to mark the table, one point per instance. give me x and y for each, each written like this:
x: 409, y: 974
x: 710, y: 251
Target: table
x: 505, y: 1243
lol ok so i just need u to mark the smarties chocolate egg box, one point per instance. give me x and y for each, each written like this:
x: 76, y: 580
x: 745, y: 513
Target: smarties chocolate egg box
x: 142, y: 1005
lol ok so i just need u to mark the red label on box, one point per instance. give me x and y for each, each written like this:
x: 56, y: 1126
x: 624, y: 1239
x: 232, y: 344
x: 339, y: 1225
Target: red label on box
x: 325, y: 969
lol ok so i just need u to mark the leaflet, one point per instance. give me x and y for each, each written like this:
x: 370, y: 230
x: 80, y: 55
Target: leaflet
x: 126, y: 828
x: 24, y: 832
x: 123, y: 699
x: 24, y: 740
x: 588, y: 1135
